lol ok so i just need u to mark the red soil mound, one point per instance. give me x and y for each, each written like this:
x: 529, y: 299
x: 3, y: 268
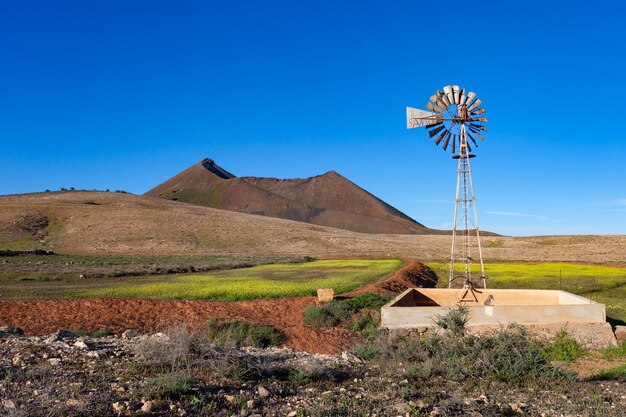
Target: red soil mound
x: 47, y: 316
x: 414, y: 274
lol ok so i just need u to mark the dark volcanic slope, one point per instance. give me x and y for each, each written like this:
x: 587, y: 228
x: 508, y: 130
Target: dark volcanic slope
x: 328, y: 200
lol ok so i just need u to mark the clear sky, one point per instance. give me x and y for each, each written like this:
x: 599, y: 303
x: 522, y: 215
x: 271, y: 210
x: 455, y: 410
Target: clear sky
x: 125, y: 94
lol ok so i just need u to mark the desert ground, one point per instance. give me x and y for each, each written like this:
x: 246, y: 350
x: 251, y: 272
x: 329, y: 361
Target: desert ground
x: 114, y: 316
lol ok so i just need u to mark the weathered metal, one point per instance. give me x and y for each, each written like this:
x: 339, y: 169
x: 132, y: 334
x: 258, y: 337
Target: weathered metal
x: 456, y: 114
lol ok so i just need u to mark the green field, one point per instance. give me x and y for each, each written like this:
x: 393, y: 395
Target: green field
x: 604, y: 284
x: 265, y: 281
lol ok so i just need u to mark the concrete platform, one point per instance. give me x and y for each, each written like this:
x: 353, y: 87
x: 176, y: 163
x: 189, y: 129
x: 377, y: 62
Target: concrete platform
x: 541, y: 311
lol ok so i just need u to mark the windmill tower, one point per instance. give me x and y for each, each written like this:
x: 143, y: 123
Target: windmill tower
x: 454, y: 117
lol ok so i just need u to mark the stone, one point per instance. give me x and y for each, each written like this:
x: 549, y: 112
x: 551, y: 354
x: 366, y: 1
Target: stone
x: 130, y: 333
x: 262, y: 391
x: 54, y: 361
x: 250, y: 403
x: 73, y: 403
x: 620, y: 333
x: 118, y: 407
x: 147, y: 407
x: 61, y: 334
x: 81, y: 344
x: 293, y: 413
x: 229, y: 398
x: 402, y: 408
x: 325, y: 294
x: 419, y: 404
x: 8, y: 404
x: 11, y: 331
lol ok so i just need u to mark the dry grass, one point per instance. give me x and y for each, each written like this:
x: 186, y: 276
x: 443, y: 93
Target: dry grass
x: 114, y: 223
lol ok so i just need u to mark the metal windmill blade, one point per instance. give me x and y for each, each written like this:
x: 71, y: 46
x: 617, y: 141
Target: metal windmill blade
x: 451, y: 115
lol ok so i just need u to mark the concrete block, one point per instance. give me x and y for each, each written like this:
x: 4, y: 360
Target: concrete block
x: 325, y: 294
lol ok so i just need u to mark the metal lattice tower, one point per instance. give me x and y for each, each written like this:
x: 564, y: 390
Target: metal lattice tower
x: 455, y: 117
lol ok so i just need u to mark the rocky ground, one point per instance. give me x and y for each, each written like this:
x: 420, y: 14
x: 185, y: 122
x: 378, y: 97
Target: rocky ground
x: 63, y: 374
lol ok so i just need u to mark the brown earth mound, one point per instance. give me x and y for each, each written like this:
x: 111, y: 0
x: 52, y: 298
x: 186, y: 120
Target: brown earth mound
x: 327, y: 200
x: 286, y: 315
x: 413, y: 274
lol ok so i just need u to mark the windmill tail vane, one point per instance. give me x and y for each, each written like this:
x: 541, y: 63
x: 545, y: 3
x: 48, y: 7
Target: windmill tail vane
x: 453, y: 119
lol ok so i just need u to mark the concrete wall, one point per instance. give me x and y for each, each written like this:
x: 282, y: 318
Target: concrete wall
x: 417, y: 308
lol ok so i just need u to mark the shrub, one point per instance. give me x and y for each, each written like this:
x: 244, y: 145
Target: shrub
x: 615, y: 352
x: 366, y: 300
x: 237, y: 334
x: 613, y: 374
x: 455, y: 321
x: 508, y: 354
x: 564, y: 348
x: 319, y: 317
x: 335, y: 312
x: 168, y: 385
x: 367, y: 351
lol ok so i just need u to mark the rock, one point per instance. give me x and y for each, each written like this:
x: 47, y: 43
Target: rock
x: 325, y: 294
x: 81, y: 344
x: 229, y: 398
x: 262, y: 391
x: 250, y: 403
x: 182, y: 413
x: 404, y: 382
x: 61, y: 334
x: 130, y: 333
x: 11, y: 331
x: 419, y: 404
x: 402, y: 408
x: 293, y: 413
x: 147, y: 407
x: 620, y: 333
x: 8, y: 404
x: 74, y: 403
x: 255, y: 415
x: 54, y: 361
x: 117, y: 407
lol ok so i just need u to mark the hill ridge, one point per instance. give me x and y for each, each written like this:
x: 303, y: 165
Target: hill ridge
x: 328, y: 199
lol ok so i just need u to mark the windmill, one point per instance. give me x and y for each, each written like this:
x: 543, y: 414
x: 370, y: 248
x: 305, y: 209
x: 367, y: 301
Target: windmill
x: 453, y: 117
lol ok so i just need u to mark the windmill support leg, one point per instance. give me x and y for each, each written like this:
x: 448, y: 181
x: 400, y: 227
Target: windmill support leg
x: 466, y: 186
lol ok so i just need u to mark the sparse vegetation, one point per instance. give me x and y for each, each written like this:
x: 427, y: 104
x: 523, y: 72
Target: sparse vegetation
x: 338, y: 311
x: 264, y: 281
x: 237, y: 334
x: 564, y: 348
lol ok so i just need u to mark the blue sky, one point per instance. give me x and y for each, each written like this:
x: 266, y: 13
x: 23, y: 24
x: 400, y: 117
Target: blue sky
x: 123, y: 95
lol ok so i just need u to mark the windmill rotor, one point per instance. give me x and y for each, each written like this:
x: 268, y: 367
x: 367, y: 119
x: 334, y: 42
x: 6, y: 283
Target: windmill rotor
x: 446, y: 112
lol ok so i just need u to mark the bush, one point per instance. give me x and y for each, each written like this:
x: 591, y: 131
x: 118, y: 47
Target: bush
x: 335, y: 312
x: 168, y: 385
x: 366, y: 301
x: 455, y: 321
x: 508, y: 354
x: 237, y: 334
x: 564, y: 348
x: 613, y: 374
x: 319, y: 317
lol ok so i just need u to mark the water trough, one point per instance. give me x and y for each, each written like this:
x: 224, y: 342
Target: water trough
x: 542, y: 311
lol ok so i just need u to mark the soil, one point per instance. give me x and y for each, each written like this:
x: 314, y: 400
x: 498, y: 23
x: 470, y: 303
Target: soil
x: 413, y: 274
x: 38, y: 317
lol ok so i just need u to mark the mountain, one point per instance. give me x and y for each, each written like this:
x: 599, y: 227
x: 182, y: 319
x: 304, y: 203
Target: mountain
x: 327, y: 200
